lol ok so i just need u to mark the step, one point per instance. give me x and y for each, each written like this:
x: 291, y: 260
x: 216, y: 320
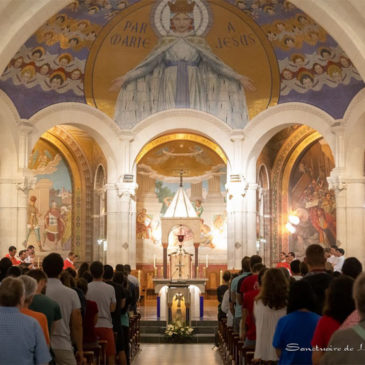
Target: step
x: 158, y: 338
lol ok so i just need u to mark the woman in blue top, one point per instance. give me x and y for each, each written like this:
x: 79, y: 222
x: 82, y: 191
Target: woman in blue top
x: 294, y: 332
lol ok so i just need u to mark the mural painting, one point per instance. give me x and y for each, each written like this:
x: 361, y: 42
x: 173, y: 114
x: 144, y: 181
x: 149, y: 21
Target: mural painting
x: 204, y: 178
x: 49, y: 219
x: 229, y: 58
x: 311, y: 200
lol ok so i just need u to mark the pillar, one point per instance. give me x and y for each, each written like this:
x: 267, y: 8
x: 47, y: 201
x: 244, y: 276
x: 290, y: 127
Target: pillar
x: 196, y: 259
x: 164, y: 258
x: 121, y: 223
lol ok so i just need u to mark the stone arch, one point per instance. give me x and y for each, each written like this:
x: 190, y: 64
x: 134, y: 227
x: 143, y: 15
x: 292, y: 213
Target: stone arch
x: 97, y: 124
x: 263, y: 127
x: 10, y: 125
x: 181, y: 120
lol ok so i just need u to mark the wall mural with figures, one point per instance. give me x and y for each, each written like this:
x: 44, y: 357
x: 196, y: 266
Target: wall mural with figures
x: 311, y: 200
x: 49, y: 216
x: 204, y: 179
x: 236, y: 59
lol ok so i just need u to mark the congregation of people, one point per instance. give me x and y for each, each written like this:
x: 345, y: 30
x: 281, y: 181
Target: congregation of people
x: 54, y: 314
x: 299, y: 312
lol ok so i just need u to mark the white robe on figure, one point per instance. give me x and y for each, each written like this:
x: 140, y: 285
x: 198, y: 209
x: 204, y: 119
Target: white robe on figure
x: 181, y: 72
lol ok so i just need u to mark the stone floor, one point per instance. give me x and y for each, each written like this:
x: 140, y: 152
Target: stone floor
x: 177, y: 354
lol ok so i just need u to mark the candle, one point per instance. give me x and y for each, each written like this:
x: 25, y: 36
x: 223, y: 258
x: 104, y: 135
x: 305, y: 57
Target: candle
x: 206, y: 260
x: 154, y: 261
x: 220, y: 277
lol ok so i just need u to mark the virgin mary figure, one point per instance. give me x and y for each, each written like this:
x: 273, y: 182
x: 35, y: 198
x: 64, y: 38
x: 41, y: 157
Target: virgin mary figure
x: 181, y: 72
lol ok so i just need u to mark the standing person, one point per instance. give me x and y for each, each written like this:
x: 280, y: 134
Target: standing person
x: 22, y: 256
x: 270, y: 304
x: 90, y: 319
x: 30, y: 255
x: 245, y: 264
x: 136, y: 286
x: 248, y: 319
x: 104, y: 296
x: 11, y: 256
x: 69, y: 261
x: 332, y: 259
x: 295, y: 270
x: 340, y: 254
x: 22, y: 341
x: 220, y: 293
x: 295, y: 330
x: 353, y: 336
x: 70, y: 326
x: 227, y: 306
x: 317, y: 276
x: 339, y: 304
x: 30, y: 287
x: 121, y: 279
x: 41, y: 303
x: 5, y: 263
x: 116, y: 315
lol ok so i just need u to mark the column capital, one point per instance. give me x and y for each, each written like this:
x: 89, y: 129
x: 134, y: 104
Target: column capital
x: 25, y: 128
x: 26, y: 184
x: 338, y: 127
x: 124, y: 190
x: 237, y: 135
x: 126, y: 135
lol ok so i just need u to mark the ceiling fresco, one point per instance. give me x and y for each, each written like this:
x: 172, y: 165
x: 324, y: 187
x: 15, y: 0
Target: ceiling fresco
x: 191, y: 158
x: 232, y: 59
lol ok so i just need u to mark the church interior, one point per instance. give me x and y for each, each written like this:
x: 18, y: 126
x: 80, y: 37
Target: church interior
x: 180, y: 136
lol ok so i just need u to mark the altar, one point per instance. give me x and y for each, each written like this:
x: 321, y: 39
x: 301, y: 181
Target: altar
x: 180, y: 291
x: 180, y: 299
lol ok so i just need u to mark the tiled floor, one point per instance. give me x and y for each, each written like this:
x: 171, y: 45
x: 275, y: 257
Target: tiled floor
x: 148, y: 310
x: 176, y: 354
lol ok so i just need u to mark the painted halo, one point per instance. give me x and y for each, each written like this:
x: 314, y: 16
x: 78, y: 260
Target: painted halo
x: 161, y: 18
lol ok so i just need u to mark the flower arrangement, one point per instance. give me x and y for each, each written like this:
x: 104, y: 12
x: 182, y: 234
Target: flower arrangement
x: 178, y: 331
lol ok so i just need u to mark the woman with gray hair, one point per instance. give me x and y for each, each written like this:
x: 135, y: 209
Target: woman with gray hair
x: 350, y: 341
x: 30, y: 288
x: 21, y: 338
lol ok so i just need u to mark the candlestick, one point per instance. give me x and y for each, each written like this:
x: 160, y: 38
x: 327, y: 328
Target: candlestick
x: 204, y: 272
x: 38, y: 263
x: 220, y: 277
x: 155, y: 272
x: 154, y: 261
x: 206, y: 260
x: 191, y: 270
x: 139, y: 276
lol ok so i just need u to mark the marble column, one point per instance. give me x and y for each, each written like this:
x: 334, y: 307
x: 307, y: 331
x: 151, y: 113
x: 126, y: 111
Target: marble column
x: 196, y: 192
x: 120, y: 227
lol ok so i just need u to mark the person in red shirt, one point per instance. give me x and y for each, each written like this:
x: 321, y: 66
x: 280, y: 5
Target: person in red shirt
x: 11, y: 256
x: 339, y: 304
x: 69, y: 261
x: 249, y: 329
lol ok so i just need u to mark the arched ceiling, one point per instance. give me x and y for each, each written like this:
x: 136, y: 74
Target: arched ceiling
x: 298, y: 44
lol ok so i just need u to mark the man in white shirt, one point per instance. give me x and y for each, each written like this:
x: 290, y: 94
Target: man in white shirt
x: 70, y: 326
x: 104, y: 296
x: 340, y: 256
x: 333, y: 258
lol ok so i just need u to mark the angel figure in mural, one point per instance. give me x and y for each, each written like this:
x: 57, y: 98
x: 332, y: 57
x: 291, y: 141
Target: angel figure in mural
x: 181, y: 72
